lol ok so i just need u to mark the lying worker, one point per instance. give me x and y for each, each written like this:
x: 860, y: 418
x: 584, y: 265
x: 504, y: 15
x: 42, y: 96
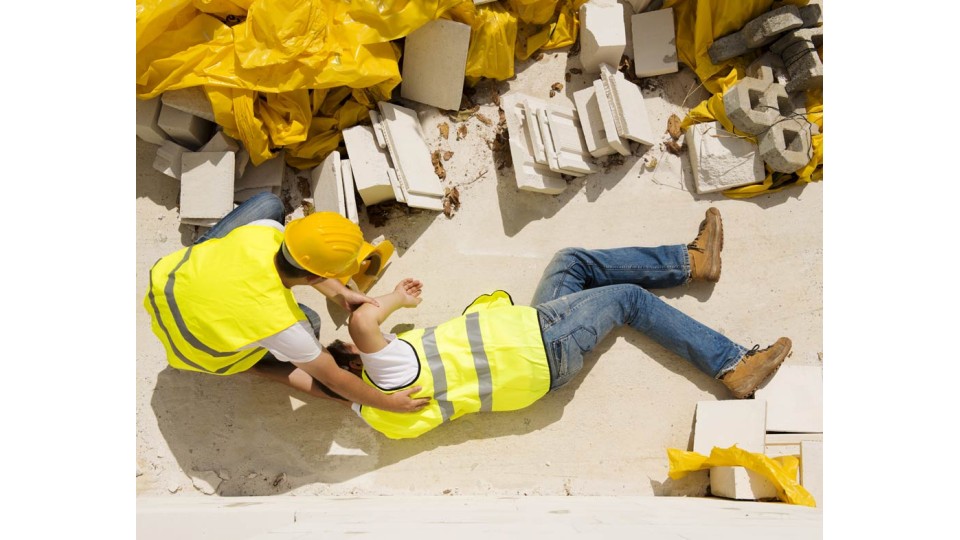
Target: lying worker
x: 224, y: 305
x: 499, y: 357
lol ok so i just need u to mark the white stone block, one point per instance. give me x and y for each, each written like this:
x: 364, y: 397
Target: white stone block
x: 791, y: 438
x: 408, y: 151
x: 346, y: 172
x: 626, y: 103
x: 191, y: 100
x: 720, y: 160
x: 220, y: 142
x: 547, y: 139
x: 602, y: 34
x: 530, y: 175
x: 434, y: 61
x: 568, y: 142
x: 654, y: 43
x: 206, y: 185
x: 378, y: 129
x: 398, y: 193
x: 148, y: 112
x: 532, y: 124
x: 591, y: 122
x: 189, y: 130
x: 242, y: 195
x: 169, y: 158
x: 267, y: 174
x: 740, y: 483
x: 811, y: 469
x: 740, y: 422
x: 777, y: 450
x: 413, y: 200
x: 607, y: 118
x: 370, y: 165
x: 326, y: 186
x: 794, y: 397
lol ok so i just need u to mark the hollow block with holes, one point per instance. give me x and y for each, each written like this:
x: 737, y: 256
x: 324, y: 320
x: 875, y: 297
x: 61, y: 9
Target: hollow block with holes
x: 785, y: 147
x: 752, y: 106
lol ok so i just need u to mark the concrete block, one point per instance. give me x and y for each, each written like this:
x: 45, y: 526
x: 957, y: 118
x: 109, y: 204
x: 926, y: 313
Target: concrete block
x: 727, y: 47
x: 791, y: 39
x: 191, y: 100
x: 168, y: 159
x: 408, y: 151
x: 769, y: 68
x: 786, y: 146
x: 206, y: 185
x: 547, y: 138
x: 568, y: 141
x: 765, y: 28
x: 751, y: 106
x: 530, y: 175
x: 654, y: 43
x: 591, y: 122
x: 740, y: 483
x: 791, y: 438
x: 434, y: 61
x: 220, y: 142
x: 740, y: 422
x: 611, y: 136
x: 370, y: 165
x: 720, y: 160
x: 148, y: 111
x: 777, y: 450
x: 602, y: 34
x: 326, y: 186
x: 243, y: 159
x: 186, y: 129
x: 812, y: 15
x: 638, y: 6
x: 794, y: 398
x: 806, y: 70
x: 269, y: 173
x: 629, y: 110
x: 536, y: 134
x: 350, y: 198
x: 375, y: 121
x: 811, y: 469
x: 242, y: 195
x: 398, y: 193
x: 413, y: 200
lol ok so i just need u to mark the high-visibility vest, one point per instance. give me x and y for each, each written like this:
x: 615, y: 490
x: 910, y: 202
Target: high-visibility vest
x: 208, y: 301
x: 491, y: 358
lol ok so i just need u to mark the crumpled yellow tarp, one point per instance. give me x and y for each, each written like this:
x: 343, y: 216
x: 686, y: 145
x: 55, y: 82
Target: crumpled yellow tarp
x: 780, y: 471
x: 698, y: 24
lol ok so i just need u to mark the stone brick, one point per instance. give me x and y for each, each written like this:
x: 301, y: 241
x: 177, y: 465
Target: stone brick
x: 148, y: 111
x: 785, y: 146
x: 727, y: 47
x: 591, y: 122
x: 794, y: 398
x: 192, y: 100
x: 206, y: 185
x: 409, y: 152
x: 638, y: 6
x: 168, y: 159
x: 220, y: 142
x: 602, y: 34
x: 812, y: 15
x: 370, y: 164
x: 769, y: 68
x: 740, y: 422
x: 654, y: 43
x: 269, y: 173
x: 740, y: 483
x: 764, y: 29
x: 720, y: 160
x: 790, y: 39
x: 629, y: 110
x: 568, y: 141
x: 532, y: 127
x: 530, y: 175
x: 434, y: 61
x: 188, y: 130
x: 805, y: 69
x: 611, y: 135
x: 751, y: 106
x: 326, y: 185
x: 811, y: 469
x: 349, y: 194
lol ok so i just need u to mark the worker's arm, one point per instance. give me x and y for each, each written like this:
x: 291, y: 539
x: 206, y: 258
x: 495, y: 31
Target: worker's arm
x: 366, y: 320
x: 344, y: 296
x: 289, y: 374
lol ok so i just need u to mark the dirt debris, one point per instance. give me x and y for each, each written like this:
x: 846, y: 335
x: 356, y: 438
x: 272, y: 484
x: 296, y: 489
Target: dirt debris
x: 437, y: 165
x: 461, y: 132
x: 611, y: 161
x: 451, y: 201
x: 486, y: 121
x: 500, y: 145
x: 379, y: 214
x: 567, y: 76
x: 444, y: 130
x: 539, y: 57
x: 673, y: 126
x: 447, y: 155
x: 555, y: 87
x: 674, y: 148
x: 576, y: 71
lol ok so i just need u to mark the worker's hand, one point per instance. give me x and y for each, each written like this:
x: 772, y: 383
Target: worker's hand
x: 350, y: 300
x: 409, y: 291
x: 402, y: 402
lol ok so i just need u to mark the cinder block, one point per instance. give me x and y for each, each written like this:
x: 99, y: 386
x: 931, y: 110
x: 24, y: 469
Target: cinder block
x: 654, y: 43
x: 765, y: 28
x: 769, y: 68
x: 811, y: 469
x: 812, y: 15
x: 148, y: 111
x: 206, y: 185
x: 740, y: 422
x: 220, y: 142
x: 786, y: 146
x: 326, y: 186
x: 408, y: 151
x: 740, y: 483
x: 751, y: 106
x: 591, y: 122
x: 191, y: 100
x: 721, y: 160
x: 727, y: 47
x: 791, y: 39
x: 602, y: 34
x: 188, y: 130
x: 269, y: 173
x: 350, y: 198
x: 169, y: 158
x: 629, y: 110
x: 794, y: 398
x: 530, y: 175
x: 612, y: 137
x: 370, y: 165
x: 568, y: 141
x: 805, y: 69
x: 434, y: 61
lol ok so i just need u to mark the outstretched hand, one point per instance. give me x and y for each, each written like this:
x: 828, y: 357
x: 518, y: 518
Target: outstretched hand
x: 409, y: 290
x: 350, y: 300
x: 402, y: 402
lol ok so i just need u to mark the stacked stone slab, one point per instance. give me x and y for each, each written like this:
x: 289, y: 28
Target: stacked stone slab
x: 592, y: 122
x: 763, y: 30
x: 626, y: 103
x: 369, y: 163
x: 531, y: 175
x: 557, y: 137
x: 798, y: 50
x: 602, y: 34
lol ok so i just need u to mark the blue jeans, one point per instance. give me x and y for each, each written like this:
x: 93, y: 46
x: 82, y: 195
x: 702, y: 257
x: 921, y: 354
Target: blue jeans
x: 584, y: 294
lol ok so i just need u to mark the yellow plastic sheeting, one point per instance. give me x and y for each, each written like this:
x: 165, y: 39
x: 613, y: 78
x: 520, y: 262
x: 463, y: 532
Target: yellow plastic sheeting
x: 558, y: 31
x: 533, y: 11
x: 780, y: 471
x: 493, y: 35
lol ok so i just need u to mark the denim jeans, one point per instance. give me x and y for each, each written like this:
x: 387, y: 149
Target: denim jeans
x: 584, y: 294
x: 264, y: 205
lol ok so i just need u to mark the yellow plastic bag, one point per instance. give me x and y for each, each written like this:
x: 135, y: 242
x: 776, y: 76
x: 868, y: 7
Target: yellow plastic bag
x: 780, y: 471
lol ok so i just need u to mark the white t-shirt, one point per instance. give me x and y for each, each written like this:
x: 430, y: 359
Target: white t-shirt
x: 392, y: 367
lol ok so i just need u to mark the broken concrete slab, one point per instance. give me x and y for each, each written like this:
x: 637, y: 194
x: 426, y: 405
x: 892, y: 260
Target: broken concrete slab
x: 192, y: 100
x: 186, y: 129
x: 794, y: 399
x: 326, y: 186
x: 591, y: 121
x: 786, y: 145
x: 206, y: 185
x: 346, y: 172
x: 751, y: 105
x: 434, y: 61
x: 765, y: 28
x: 611, y: 135
x: 722, y: 424
x: 267, y: 174
x: 740, y: 483
x: 408, y: 151
x: 370, y: 165
x: 530, y: 175
x: 654, y: 43
x: 602, y: 34
x: 148, y: 111
x: 629, y: 110
x: 568, y: 141
x: 727, y: 47
x: 811, y: 469
x: 168, y: 159
x: 721, y: 160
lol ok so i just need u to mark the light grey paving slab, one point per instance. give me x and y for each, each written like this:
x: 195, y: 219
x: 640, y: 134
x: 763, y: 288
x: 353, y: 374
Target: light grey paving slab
x: 434, y: 61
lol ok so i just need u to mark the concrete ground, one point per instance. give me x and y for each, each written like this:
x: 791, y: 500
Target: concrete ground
x: 606, y: 433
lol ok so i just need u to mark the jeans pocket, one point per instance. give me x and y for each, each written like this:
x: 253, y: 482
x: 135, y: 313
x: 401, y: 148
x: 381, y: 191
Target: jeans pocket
x: 560, y: 357
x: 586, y: 338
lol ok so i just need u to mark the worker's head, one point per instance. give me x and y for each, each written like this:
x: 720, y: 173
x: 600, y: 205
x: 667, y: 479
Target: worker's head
x: 323, y: 244
x: 347, y: 356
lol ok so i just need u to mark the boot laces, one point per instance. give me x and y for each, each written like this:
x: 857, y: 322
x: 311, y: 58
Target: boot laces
x: 695, y: 244
x: 755, y: 350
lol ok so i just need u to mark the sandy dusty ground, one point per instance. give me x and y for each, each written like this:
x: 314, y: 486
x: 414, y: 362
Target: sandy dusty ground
x: 605, y: 433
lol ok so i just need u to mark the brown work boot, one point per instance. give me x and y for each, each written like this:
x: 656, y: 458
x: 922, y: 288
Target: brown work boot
x: 705, y: 249
x: 756, y: 367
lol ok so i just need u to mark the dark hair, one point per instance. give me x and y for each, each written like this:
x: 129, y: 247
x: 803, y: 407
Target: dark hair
x: 289, y: 270
x: 341, y: 356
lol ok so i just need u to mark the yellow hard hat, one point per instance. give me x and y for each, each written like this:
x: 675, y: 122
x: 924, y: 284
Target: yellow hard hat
x: 323, y: 243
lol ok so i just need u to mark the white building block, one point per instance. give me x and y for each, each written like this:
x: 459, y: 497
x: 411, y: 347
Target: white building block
x: 568, y: 142
x: 740, y: 483
x: 794, y: 397
x: 602, y: 34
x: 189, y: 130
x: 206, y: 185
x: 611, y: 134
x: 532, y: 124
x: 267, y: 174
x: 169, y: 158
x: 378, y: 129
x: 720, y: 160
x: 346, y: 172
x: 811, y: 469
x: 408, y: 151
x: 530, y: 175
x: 725, y: 423
x: 791, y: 438
x: 242, y: 195
x: 370, y: 165
x: 413, y: 200
x: 148, y: 111
x: 191, y: 100
x: 434, y: 61
x: 326, y: 186
x: 654, y: 43
x: 777, y: 450
x: 220, y: 142
x: 591, y: 122
x: 548, y: 147
x: 626, y: 103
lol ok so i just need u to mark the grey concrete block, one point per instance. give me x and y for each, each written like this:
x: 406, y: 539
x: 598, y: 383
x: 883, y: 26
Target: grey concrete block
x: 148, y: 111
x: 191, y: 100
x: 168, y: 159
x: 768, y: 67
x: 188, y: 130
x: 812, y: 15
x: 728, y: 47
x: 791, y: 39
x: 805, y: 70
x: 785, y: 147
x: 750, y: 107
x: 267, y: 174
x: 765, y: 28
x: 220, y: 142
x: 206, y: 185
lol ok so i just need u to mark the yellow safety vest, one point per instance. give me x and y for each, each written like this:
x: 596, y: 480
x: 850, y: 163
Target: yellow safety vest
x: 491, y: 358
x: 208, y: 301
